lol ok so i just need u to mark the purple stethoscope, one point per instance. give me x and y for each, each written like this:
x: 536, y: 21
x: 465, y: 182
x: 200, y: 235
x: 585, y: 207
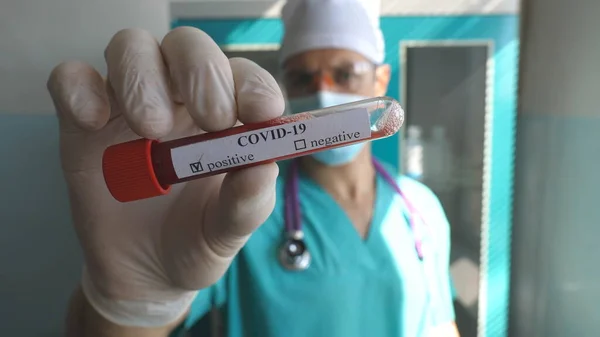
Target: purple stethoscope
x: 294, y: 254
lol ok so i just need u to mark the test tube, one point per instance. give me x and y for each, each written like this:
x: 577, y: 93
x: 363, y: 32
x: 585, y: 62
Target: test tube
x: 146, y: 168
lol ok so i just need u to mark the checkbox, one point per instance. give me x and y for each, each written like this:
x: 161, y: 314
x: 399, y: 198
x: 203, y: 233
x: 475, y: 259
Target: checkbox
x: 196, y: 167
x: 300, y: 144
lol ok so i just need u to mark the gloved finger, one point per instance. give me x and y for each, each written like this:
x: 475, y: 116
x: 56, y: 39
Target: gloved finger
x: 258, y: 95
x: 138, y: 76
x: 246, y: 200
x: 201, y: 76
x: 79, y: 96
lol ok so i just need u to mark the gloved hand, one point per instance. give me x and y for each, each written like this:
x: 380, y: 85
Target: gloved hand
x: 146, y: 259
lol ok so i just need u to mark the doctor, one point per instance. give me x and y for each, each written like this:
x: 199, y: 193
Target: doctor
x: 332, y: 244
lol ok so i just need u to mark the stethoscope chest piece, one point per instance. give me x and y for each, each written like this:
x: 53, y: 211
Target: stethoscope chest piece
x: 293, y: 254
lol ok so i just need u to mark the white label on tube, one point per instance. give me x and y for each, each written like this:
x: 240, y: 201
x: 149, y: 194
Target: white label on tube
x: 271, y: 142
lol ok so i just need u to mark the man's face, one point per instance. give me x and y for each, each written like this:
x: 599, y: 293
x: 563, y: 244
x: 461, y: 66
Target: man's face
x: 335, y: 70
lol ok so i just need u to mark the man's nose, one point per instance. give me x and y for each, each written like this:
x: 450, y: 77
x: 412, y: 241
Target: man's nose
x: 323, y: 81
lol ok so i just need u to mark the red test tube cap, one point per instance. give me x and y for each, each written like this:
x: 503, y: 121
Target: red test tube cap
x: 129, y: 173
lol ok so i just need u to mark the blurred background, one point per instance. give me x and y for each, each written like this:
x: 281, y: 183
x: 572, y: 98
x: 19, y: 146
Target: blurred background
x: 501, y: 123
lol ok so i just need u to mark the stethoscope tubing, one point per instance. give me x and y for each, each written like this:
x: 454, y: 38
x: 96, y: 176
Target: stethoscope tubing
x: 293, y: 215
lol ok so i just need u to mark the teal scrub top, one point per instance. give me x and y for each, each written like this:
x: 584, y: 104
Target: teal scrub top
x: 376, y: 286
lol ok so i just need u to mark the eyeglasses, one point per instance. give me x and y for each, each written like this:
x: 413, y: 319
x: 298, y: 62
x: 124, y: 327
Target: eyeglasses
x: 348, y: 78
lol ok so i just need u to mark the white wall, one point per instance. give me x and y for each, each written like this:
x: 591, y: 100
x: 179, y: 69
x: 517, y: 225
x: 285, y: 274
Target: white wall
x: 37, y: 34
x: 272, y: 8
x: 556, y: 278
x: 39, y: 255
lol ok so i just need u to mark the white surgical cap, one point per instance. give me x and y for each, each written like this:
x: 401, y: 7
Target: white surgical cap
x: 339, y: 24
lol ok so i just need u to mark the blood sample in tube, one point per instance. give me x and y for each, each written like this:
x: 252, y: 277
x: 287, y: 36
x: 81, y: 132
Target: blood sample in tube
x: 146, y: 168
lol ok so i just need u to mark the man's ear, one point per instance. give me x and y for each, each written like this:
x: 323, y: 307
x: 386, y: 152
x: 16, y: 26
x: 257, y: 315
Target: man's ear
x: 383, y: 74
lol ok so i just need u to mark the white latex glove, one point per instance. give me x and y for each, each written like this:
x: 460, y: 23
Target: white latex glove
x: 146, y: 259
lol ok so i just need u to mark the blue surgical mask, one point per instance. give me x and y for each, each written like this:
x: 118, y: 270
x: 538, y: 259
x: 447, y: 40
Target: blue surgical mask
x: 325, y: 99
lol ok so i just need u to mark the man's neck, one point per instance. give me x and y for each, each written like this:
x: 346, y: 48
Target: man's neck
x: 349, y: 182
